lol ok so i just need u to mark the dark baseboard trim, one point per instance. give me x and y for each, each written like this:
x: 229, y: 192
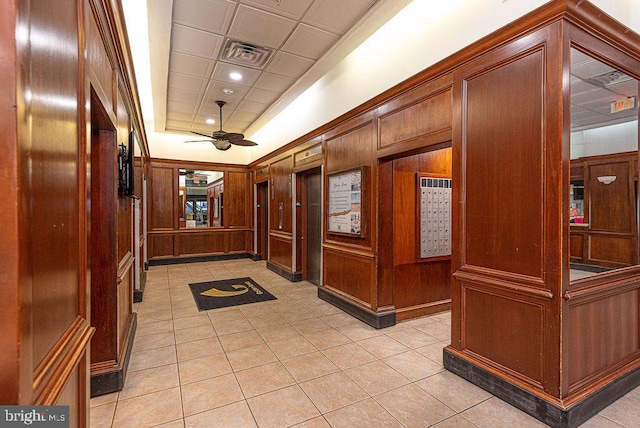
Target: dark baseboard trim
x: 374, y: 319
x: 545, y: 411
x: 138, y: 294
x: 113, y: 380
x: 146, y: 265
x: 291, y: 276
x: 198, y: 259
x: 256, y: 257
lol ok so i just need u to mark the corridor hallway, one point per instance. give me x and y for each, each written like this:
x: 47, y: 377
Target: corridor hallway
x: 295, y: 361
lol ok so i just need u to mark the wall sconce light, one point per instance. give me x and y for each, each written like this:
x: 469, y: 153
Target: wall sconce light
x: 607, y: 179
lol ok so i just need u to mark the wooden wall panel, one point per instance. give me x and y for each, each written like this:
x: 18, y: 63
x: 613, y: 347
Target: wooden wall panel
x: 201, y: 243
x: 237, y: 242
x: 124, y: 297
x: 100, y: 68
x: 486, y: 315
x: 612, y: 205
x: 422, y: 283
x: 416, y: 281
x: 351, y: 146
x: 160, y: 245
x: 280, y: 196
x: 237, y: 199
x: 427, y: 116
x: 349, y: 274
x: 280, y: 247
x: 52, y: 156
x: 604, y: 332
x: 608, y: 250
x: 576, y: 246
x: 504, y: 152
x: 125, y: 226
x: 162, y: 201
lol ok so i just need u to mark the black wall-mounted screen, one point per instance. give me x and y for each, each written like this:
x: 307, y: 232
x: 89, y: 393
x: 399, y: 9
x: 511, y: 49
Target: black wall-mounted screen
x: 125, y: 167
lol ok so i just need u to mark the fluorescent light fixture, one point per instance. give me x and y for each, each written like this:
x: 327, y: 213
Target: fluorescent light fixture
x: 210, y: 121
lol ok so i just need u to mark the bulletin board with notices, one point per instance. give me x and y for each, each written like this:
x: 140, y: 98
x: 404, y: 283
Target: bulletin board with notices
x: 435, y: 216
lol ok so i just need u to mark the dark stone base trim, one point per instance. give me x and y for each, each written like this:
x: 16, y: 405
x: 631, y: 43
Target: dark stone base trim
x: 374, y: 319
x: 198, y: 259
x: 291, y: 276
x: 256, y: 257
x: 113, y: 381
x: 137, y: 294
x: 545, y: 411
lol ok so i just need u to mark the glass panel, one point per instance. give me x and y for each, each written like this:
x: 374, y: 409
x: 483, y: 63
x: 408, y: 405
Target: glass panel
x: 604, y: 146
x: 200, y: 195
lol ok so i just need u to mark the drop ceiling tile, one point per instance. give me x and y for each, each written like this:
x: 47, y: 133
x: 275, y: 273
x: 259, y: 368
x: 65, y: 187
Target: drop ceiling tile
x: 177, y: 116
x: 209, y: 15
x: 243, y: 116
x: 222, y: 71
x: 186, y: 82
x: 309, y: 42
x: 215, y: 91
x: 262, y: 96
x: 291, y: 9
x: 252, y: 107
x: 191, y: 97
x: 274, y: 82
x: 237, y: 126
x: 260, y: 28
x: 196, y: 42
x: 189, y: 64
x: 290, y: 65
x: 180, y: 126
x: 337, y: 16
x: 180, y: 107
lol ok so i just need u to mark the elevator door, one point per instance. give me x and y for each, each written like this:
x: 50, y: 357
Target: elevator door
x: 314, y: 225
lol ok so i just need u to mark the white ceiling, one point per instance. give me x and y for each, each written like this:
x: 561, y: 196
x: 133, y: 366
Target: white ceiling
x: 594, y: 86
x: 294, y: 33
x: 178, y: 79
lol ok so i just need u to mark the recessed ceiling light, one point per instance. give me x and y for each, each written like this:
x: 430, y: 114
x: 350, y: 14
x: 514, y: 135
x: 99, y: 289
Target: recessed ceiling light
x: 235, y: 76
x: 210, y: 121
x: 227, y: 91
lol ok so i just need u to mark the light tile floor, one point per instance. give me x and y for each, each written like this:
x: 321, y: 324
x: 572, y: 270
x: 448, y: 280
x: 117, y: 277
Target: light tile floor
x: 295, y: 361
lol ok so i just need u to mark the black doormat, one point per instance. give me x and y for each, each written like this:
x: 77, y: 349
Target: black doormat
x: 228, y: 292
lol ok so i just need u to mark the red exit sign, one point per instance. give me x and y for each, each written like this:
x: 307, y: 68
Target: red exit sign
x: 625, y: 104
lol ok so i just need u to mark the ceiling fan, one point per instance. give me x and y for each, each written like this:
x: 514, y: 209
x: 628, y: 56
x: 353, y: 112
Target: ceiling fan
x: 223, y: 140
x: 192, y: 174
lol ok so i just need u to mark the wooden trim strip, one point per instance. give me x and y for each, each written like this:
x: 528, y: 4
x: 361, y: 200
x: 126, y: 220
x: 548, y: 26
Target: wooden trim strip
x: 503, y: 282
x: 52, y: 375
x: 349, y: 250
x: 600, y: 287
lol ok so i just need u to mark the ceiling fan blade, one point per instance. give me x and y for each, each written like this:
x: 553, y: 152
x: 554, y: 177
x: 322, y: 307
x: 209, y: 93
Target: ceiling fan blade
x: 201, y: 134
x: 197, y: 141
x: 244, y: 143
x: 233, y: 136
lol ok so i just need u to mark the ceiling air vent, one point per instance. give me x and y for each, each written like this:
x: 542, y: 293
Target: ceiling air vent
x: 609, y: 78
x: 246, y: 54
